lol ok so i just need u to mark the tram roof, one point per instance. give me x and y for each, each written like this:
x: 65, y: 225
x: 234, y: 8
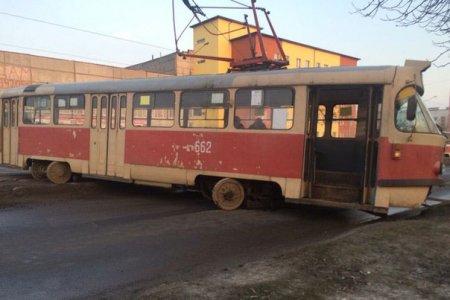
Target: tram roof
x: 312, y: 76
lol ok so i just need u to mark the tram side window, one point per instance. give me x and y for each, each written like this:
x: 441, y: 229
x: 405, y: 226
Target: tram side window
x: 6, y: 113
x: 321, y: 113
x: 13, y: 112
x: 103, y: 112
x: 70, y: 110
x: 113, y: 115
x: 36, y: 110
x: 153, y: 109
x: 123, y: 112
x: 204, y: 109
x: 345, y: 121
x: 94, y: 113
x: 271, y: 108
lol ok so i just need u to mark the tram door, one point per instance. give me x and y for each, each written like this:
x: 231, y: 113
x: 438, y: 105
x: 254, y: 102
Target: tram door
x: 337, y: 144
x: 9, y: 131
x: 107, y: 142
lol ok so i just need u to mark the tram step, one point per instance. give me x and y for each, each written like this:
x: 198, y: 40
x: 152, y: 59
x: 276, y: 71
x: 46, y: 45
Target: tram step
x: 338, y: 178
x: 336, y: 193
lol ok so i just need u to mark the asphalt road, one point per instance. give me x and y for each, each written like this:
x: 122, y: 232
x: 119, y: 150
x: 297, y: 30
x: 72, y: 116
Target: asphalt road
x: 118, y: 234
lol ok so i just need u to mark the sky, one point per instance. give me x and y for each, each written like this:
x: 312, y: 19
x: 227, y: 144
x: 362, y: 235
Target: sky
x: 328, y: 24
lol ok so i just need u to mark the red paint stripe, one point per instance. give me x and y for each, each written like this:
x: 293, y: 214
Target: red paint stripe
x: 54, y: 142
x: 416, y: 162
x: 278, y: 155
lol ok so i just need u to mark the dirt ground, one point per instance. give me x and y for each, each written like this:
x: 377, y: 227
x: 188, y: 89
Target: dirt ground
x: 390, y: 258
x: 400, y: 259
x: 17, y: 191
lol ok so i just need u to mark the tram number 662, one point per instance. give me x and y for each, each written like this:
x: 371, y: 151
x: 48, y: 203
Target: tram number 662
x: 202, y: 146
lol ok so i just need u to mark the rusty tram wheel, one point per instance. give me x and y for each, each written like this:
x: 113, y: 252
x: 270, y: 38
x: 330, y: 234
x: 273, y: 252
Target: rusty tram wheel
x: 38, y: 170
x: 228, y: 194
x: 59, y: 172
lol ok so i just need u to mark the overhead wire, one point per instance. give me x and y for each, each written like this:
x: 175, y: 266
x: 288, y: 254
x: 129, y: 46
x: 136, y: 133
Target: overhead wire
x: 237, y: 49
x: 196, y: 9
x: 177, y: 38
x: 67, y: 54
x: 242, y: 4
x: 217, y: 33
x: 120, y: 38
x: 86, y: 31
x: 175, y: 27
x: 116, y: 37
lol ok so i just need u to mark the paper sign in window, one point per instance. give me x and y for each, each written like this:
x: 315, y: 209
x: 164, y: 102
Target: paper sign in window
x: 345, y: 111
x: 217, y: 98
x: 144, y: 100
x: 280, y: 116
x: 74, y: 102
x: 257, y: 97
x: 61, y: 102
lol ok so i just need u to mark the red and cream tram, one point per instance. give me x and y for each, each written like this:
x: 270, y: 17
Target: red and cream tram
x: 348, y: 137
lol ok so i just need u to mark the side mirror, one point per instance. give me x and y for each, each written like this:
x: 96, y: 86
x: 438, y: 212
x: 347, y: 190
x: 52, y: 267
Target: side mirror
x: 411, y: 109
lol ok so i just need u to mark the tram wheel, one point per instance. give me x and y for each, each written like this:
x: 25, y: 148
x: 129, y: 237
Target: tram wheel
x: 38, y: 170
x: 228, y: 194
x: 59, y: 172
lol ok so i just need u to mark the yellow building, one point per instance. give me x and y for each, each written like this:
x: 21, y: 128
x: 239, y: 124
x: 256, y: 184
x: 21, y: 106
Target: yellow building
x: 227, y: 38
x: 213, y: 38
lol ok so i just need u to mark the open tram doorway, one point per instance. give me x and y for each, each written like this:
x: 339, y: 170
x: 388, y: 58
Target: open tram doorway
x: 107, y: 138
x: 9, y: 131
x: 341, y: 149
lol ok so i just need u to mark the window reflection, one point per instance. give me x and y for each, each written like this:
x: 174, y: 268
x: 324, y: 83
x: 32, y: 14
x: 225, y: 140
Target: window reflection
x: 422, y: 123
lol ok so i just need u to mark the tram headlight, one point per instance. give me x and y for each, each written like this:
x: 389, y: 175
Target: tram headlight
x: 396, y: 152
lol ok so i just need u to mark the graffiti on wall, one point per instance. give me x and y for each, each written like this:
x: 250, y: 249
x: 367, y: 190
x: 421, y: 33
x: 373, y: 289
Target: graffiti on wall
x: 12, y: 76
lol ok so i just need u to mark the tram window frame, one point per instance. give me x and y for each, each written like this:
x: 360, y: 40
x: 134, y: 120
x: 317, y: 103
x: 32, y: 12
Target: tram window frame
x: 113, y: 113
x: 340, y: 121
x: 94, y: 112
x: 123, y: 112
x: 76, y: 109
x: 14, y: 108
x: 37, y: 110
x: 377, y: 128
x: 322, y: 120
x: 103, y: 112
x: 159, y: 108
x: 422, y: 123
x: 202, y: 109
x: 265, y: 107
x: 6, y: 112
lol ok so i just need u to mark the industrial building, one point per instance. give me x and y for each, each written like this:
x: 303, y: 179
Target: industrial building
x: 233, y: 42
x: 19, y: 69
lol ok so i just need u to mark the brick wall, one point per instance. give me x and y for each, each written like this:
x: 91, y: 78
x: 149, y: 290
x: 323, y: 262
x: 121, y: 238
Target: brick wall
x: 18, y: 69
